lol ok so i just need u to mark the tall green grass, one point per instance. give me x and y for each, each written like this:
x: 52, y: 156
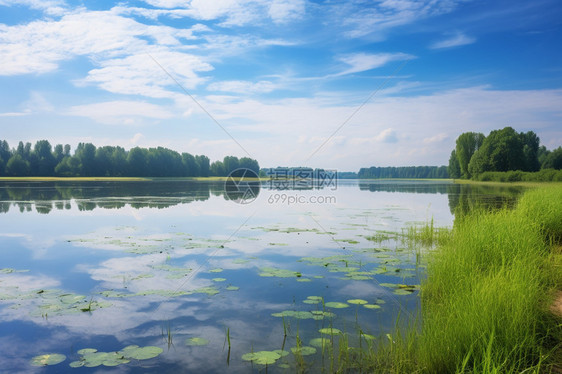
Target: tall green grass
x: 485, y: 302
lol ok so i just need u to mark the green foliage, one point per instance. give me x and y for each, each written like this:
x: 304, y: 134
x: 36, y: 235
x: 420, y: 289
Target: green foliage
x: 454, y: 168
x: 553, y: 160
x: 466, y: 145
x: 110, y: 161
x: 545, y: 175
x: 403, y: 172
x: 501, y: 150
x: 17, y: 166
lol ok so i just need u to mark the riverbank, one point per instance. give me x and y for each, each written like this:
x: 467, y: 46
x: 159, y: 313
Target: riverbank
x: 487, y: 302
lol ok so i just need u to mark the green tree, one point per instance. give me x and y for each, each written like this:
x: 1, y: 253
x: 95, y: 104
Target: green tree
x: 502, y: 150
x: 5, y: 153
x: 530, y: 142
x: 137, y: 162
x: 191, y: 167
x: 217, y: 169
x: 230, y: 163
x: 542, y: 155
x: 466, y: 145
x: 68, y: 167
x: 86, y: 155
x: 454, y: 168
x: 250, y: 163
x: 554, y: 159
x: 58, y: 153
x: 43, y: 161
x: 204, y: 165
x: 17, y: 166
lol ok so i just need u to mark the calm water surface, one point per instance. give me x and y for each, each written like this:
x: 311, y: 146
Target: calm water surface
x: 105, y: 265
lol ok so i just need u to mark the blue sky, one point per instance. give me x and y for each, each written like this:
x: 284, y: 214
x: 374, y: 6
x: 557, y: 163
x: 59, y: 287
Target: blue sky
x: 333, y: 84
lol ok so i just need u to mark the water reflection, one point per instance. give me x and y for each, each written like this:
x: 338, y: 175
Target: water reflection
x: 48, y: 196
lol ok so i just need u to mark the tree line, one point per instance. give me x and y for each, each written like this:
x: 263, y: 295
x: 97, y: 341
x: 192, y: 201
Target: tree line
x: 501, y: 151
x: 42, y: 160
x: 377, y: 172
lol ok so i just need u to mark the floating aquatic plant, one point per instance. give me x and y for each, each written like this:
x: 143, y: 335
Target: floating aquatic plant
x: 47, y: 359
x: 303, y: 351
x: 263, y: 357
x: 90, y: 357
x: 336, y: 305
x: 357, y: 301
x: 329, y: 331
x: 196, y: 341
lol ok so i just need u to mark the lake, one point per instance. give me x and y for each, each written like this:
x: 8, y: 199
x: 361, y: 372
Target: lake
x: 180, y: 276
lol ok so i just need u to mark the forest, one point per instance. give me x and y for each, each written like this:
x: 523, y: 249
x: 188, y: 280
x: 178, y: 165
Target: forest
x: 480, y: 157
x: 375, y: 172
x: 42, y: 160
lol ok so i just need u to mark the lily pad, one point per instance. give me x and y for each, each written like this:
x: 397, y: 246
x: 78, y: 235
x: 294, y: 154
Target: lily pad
x: 303, y: 351
x: 330, y: 331
x: 320, y: 342
x: 217, y: 270
x: 262, y: 357
x: 196, y: 341
x: 47, y: 359
x: 232, y: 288
x: 357, y: 301
x: 336, y: 305
x: 279, y: 273
x: 218, y: 279
x: 141, y: 353
x: 371, y: 306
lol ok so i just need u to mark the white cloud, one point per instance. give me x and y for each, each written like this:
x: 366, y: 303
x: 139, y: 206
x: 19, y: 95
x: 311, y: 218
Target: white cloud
x: 362, y: 61
x: 53, y: 7
x: 136, y: 138
x: 375, y: 20
x: 282, y: 11
x: 454, y: 41
x: 242, y: 86
x: 119, y: 112
x: 436, y: 138
x: 144, y: 74
x: 388, y: 131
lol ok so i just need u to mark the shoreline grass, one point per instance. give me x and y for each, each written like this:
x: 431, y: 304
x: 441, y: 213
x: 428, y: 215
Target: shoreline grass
x: 487, y: 300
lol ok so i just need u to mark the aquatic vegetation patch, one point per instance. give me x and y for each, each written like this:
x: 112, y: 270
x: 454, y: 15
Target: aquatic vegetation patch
x: 90, y: 357
x: 336, y: 305
x: 47, y: 359
x: 264, y: 357
x: 232, y: 288
x: 218, y: 279
x: 329, y: 331
x: 357, y: 301
x: 303, y: 351
x: 279, y: 273
x: 320, y: 342
x: 196, y: 341
x: 216, y: 270
x: 164, y: 293
x: 372, y: 306
x: 313, y: 300
x: 315, y: 314
x: 401, y: 289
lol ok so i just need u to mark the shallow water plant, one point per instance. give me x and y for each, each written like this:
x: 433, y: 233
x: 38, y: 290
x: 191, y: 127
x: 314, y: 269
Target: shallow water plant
x: 47, y: 359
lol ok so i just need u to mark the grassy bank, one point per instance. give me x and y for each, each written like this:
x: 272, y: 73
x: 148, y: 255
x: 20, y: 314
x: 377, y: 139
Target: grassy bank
x: 486, y: 300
